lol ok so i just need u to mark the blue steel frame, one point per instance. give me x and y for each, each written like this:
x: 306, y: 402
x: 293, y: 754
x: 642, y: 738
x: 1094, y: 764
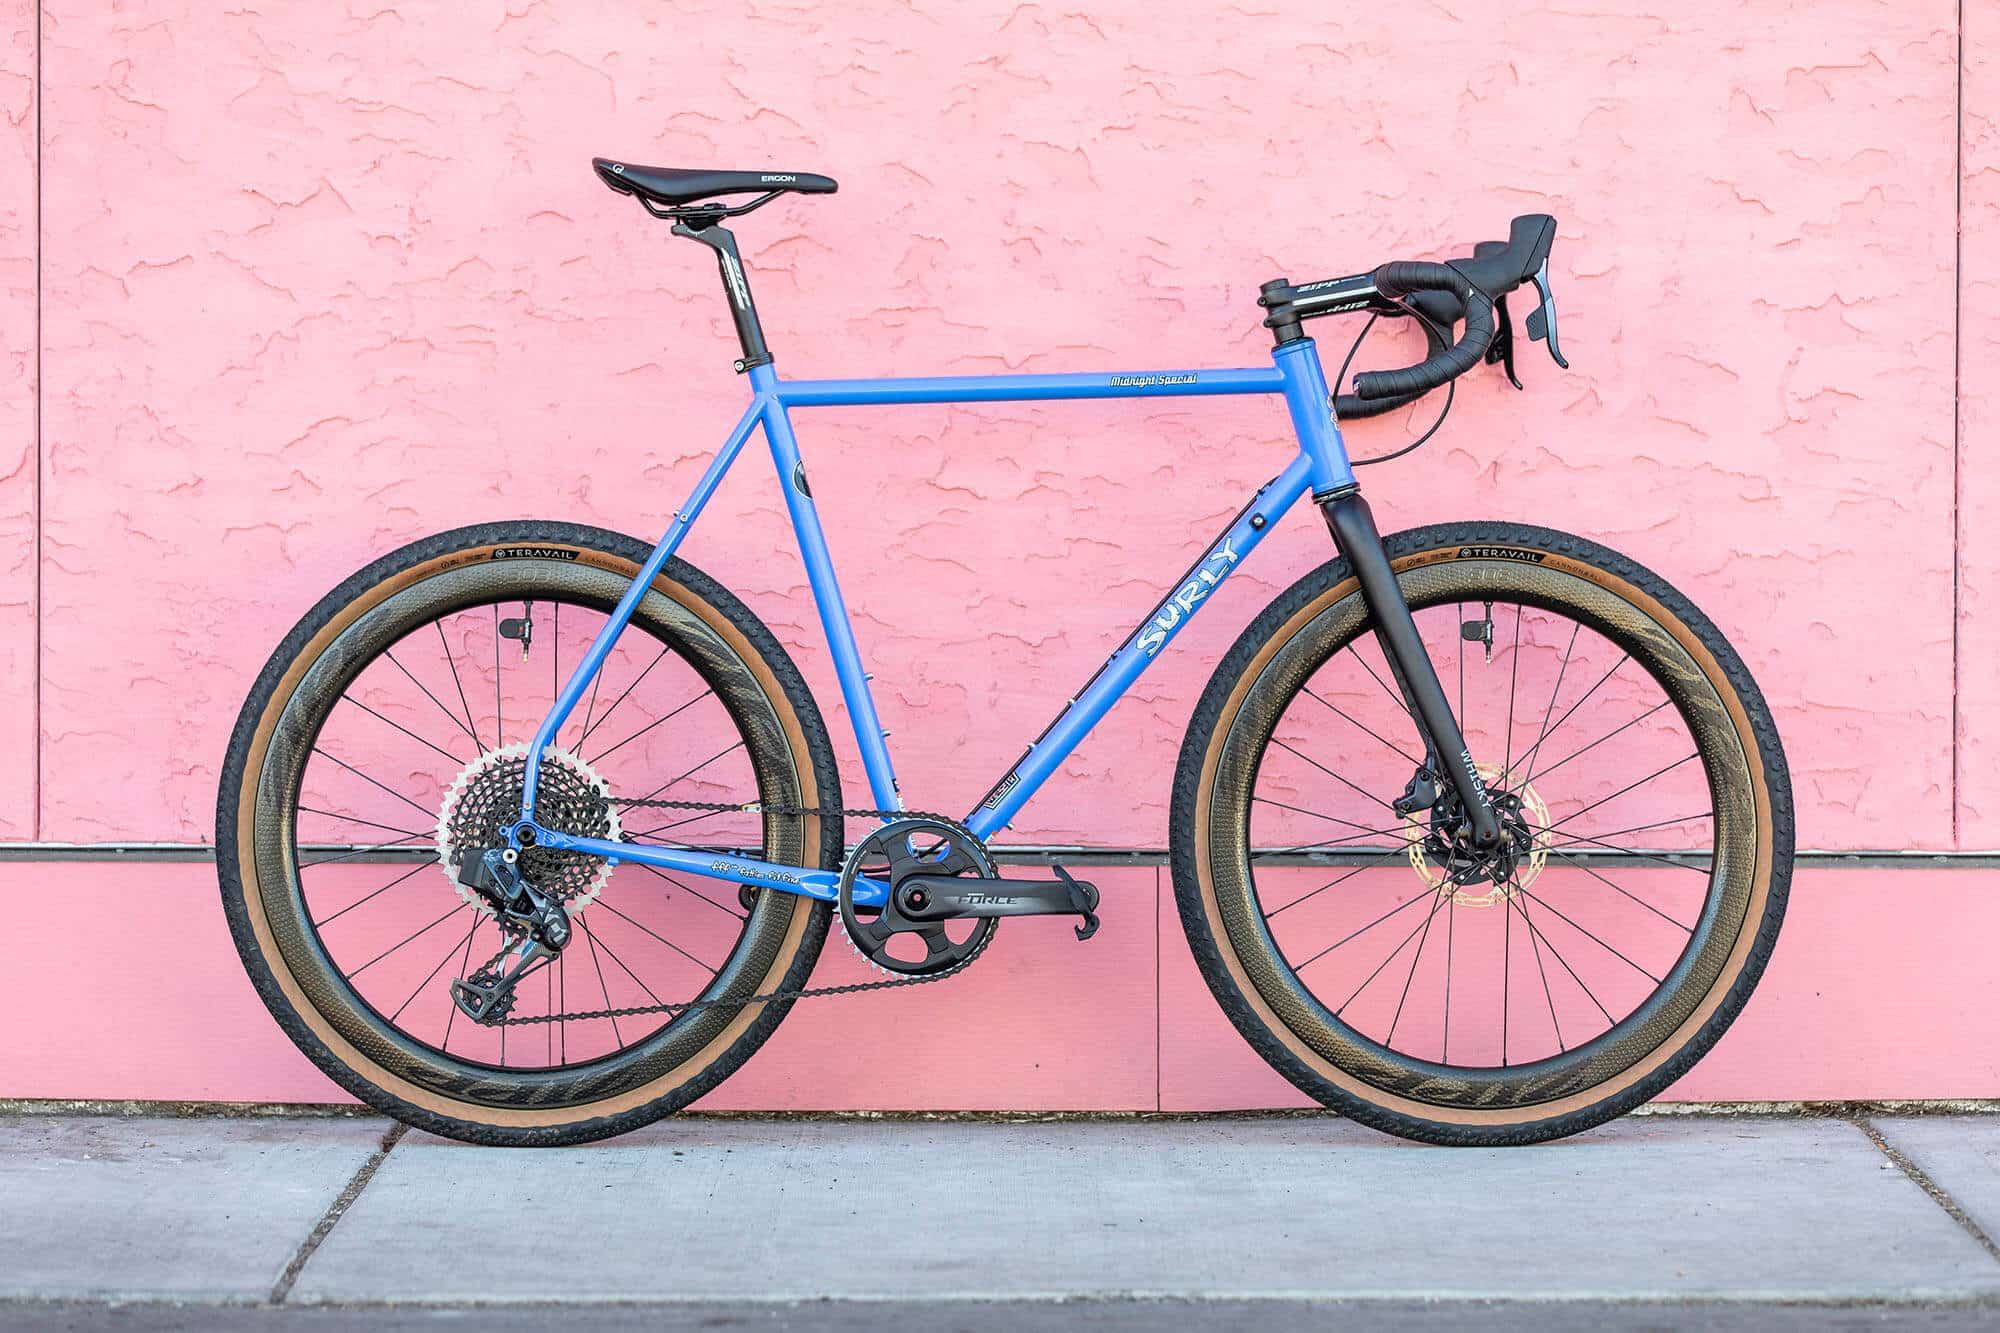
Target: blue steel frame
x: 1321, y: 466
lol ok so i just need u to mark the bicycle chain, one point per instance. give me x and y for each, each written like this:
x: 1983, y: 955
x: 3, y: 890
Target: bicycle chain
x: 788, y: 993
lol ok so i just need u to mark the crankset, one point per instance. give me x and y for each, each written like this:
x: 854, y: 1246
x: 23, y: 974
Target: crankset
x: 939, y: 871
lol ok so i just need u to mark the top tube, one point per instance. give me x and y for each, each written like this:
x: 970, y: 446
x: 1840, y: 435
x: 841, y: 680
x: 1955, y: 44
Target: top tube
x: 1027, y: 388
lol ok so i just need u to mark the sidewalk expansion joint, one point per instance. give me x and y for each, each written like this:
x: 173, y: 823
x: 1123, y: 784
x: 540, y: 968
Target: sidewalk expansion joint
x: 1922, y: 1180
x: 335, y: 1211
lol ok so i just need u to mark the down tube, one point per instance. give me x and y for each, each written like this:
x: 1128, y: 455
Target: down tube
x: 1140, y: 649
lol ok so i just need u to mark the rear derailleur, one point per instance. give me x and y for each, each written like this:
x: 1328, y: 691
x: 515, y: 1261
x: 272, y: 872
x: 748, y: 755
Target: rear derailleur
x: 534, y: 923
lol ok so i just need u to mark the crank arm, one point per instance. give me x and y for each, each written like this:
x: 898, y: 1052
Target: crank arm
x: 948, y: 898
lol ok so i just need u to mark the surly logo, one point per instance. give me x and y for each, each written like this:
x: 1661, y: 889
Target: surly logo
x: 534, y: 553
x: 1181, y: 605
x: 1499, y: 553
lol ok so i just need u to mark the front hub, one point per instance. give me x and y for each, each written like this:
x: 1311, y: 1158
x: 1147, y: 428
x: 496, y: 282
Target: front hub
x: 1442, y: 853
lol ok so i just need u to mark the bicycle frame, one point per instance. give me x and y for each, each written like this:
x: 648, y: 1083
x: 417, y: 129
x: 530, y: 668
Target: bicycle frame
x: 1321, y: 467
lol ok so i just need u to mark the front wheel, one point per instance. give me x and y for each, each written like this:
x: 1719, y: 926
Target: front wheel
x: 1528, y: 993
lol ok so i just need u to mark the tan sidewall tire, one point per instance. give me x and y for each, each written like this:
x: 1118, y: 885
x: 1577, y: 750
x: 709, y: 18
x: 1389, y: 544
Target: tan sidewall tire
x: 789, y: 929
x: 1234, y: 950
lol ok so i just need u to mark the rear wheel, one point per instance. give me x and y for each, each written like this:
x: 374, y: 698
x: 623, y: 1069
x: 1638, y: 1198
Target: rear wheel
x: 388, y: 735
x: 1526, y: 995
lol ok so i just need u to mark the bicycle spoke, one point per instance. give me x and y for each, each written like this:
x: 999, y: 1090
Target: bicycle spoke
x: 432, y: 974
x: 1619, y: 833
x: 1394, y: 696
x: 1462, y: 726
x: 1342, y: 714
x: 406, y: 875
x: 499, y: 723
x: 1450, y: 939
x: 1557, y: 954
x: 449, y: 715
x: 1574, y: 630
x: 599, y: 965
x: 428, y: 814
x: 1605, y: 737
x: 593, y: 726
x: 1620, y: 792
x: 612, y: 954
x: 1547, y: 994
x: 356, y: 819
x: 1370, y: 864
x: 1437, y: 901
x: 683, y: 777
x: 689, y: 888
x: 1635, y: 898
x: 656, y: 935
x: 451, y: 1014
x: 471, y: 727
x: 1296, y: 809
x: 1330, y: 773
x: 1513, y: 680
x: 348, y: 698
x: 1326, y: 842
x: 455, y: 909
x: 1506, y: 974
x: 1627, y: 853
x: 604, y: 754
x: 1569, y: 712
x: 1564, y: 917
x: 364, y: 851
x: 1451, y: 896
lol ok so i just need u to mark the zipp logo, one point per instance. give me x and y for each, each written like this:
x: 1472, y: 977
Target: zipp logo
x: 1181, y: 605
x: 1499, y: 553
x: 533, y: 553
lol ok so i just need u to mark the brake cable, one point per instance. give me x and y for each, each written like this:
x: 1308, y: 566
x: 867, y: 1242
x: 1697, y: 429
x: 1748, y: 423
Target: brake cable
x: 1450, y: 389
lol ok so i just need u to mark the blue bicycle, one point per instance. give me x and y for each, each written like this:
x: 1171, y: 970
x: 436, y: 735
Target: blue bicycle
x: 1481, y: 833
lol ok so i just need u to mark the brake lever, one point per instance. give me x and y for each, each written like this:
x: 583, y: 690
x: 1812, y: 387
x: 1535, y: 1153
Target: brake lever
x: 1501, y: 350
x: 1542, y: 320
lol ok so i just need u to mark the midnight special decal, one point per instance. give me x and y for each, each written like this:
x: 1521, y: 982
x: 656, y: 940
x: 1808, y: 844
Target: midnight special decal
x: 1150, y: 381
x: 1500, y: 553
x: 533, y: 553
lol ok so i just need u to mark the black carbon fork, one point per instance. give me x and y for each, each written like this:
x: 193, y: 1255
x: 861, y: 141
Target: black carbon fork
x: 1355, y: 537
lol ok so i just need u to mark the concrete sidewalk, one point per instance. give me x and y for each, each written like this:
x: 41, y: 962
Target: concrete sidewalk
x: 733, y: 1222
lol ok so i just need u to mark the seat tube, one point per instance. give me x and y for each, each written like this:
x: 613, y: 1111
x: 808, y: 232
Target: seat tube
x: 868, y: 733
x: 1311, y: 407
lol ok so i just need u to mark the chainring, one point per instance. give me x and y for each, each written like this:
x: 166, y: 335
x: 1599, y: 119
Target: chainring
x: 921, y: 845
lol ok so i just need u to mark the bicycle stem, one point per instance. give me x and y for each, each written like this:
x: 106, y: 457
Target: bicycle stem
x: 1352, y: 524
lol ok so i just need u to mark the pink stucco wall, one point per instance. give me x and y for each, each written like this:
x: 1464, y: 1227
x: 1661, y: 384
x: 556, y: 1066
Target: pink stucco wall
x: 317, y: 280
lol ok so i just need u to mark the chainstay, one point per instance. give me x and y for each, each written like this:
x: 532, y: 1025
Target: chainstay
x: 795, y: 993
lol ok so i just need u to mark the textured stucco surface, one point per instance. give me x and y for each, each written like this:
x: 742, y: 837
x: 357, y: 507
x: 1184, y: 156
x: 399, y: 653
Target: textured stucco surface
x: 17, y: 420
x: 1979, y: 405
x: 318, y: 280
x: 356, y: 283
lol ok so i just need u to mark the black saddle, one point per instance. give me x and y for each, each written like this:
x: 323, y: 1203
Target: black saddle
x: 677, y: 187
